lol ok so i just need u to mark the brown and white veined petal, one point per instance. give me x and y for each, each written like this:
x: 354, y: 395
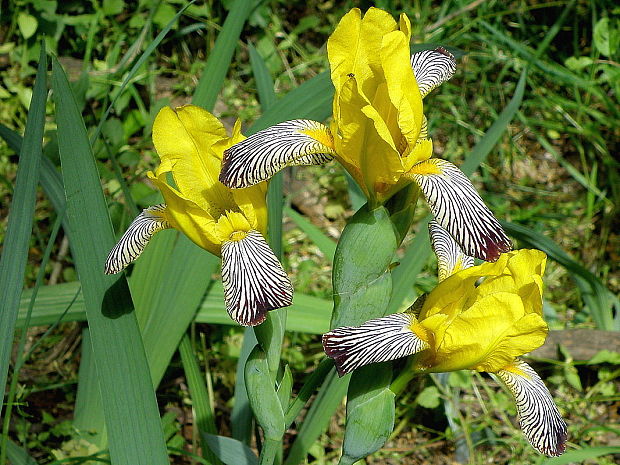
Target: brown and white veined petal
x: 260, y: 156
x: 539, y: 417
x: 459, y: 209
x: 432, y: 68
x: 254, y: 281
x: 378, y: 340
x: 133, y: 242
x: 450, y: 257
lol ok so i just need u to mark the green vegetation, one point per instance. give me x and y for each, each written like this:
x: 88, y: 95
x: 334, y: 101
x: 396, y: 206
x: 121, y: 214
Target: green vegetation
x: 531, y: 116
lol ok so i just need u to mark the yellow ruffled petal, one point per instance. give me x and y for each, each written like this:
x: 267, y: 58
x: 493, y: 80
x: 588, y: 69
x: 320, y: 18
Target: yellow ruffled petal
x: 188, y: 217
x: 403, y: 91
x: 489, y: 335
x: 184, y: 139
x: 365, y: 142
x: 354, y: 48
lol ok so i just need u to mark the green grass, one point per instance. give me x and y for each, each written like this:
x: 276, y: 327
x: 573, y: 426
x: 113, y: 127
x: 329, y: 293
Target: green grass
x: 548, y: 168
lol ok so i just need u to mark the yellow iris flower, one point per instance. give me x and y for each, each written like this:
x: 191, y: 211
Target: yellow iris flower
x: 378, y: 116
x: 379, y: 132
x: 480, y: 318
x: 229, y: 223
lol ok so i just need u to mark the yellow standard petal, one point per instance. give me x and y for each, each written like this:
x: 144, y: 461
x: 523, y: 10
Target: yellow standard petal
x: 365, y: 145
x: 403, y: 91
x: 489, y: 335
x: 184, y: 139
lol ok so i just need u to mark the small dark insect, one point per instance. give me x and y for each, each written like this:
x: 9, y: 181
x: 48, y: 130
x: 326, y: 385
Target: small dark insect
x: 351, y: 75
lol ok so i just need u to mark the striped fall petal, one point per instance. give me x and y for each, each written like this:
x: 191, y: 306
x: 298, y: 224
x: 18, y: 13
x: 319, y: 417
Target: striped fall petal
x: 459, y: 209
x: 254, y: 281
x: 260, y: 156
x: 432, y: 68
x: 539, y: 417
x: 133, y: 242
x: 378, y: 340
x: 450, y: 257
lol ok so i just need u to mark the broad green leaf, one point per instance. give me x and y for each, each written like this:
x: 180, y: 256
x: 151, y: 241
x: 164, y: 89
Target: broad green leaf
x: 21, y: 213
x: 128, y: 398
x: 88, y: 417
x: 578, y: 456
x: 308, y: 314
x: 230, y: 451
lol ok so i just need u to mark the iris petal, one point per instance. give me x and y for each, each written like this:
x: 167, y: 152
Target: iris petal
x: 432, y: 68
x: 260, y: 156
x: 378, y: 340
x: 450, y: 257
x: 539, y: 417
x: 133, y: 242
x: 254, y: 281
x: 458, y: 208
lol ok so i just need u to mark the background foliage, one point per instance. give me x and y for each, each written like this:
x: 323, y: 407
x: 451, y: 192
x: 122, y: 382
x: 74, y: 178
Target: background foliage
x: 553, y: 172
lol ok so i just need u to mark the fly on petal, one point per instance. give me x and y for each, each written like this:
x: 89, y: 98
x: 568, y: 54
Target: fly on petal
x: 133, y: 242
x: 539, y: 418
x: 260, y: 156
x: 459, y: 209
x: 378, y: 340
x: 254, y: 281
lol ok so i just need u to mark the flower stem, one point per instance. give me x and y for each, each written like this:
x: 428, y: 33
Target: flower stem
x: 269, y: 451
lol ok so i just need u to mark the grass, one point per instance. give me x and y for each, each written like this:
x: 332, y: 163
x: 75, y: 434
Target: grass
x: 553, y: 171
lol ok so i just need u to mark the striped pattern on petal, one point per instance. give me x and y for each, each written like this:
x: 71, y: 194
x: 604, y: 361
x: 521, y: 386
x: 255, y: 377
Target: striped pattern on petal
x: 539, y: 417
x: 450, y: 257
x: 377, y: 340
x: 432, y: 68
x: 458, y: 209
x: 254, y: 281
x: 260, y: 156
x: 135, y: 238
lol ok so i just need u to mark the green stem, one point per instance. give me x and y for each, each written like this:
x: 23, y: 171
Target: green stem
x: 402, y: 380
x: 269, y: 451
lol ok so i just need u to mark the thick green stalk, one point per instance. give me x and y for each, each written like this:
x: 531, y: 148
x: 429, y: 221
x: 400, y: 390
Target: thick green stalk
x: 362, y: 289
